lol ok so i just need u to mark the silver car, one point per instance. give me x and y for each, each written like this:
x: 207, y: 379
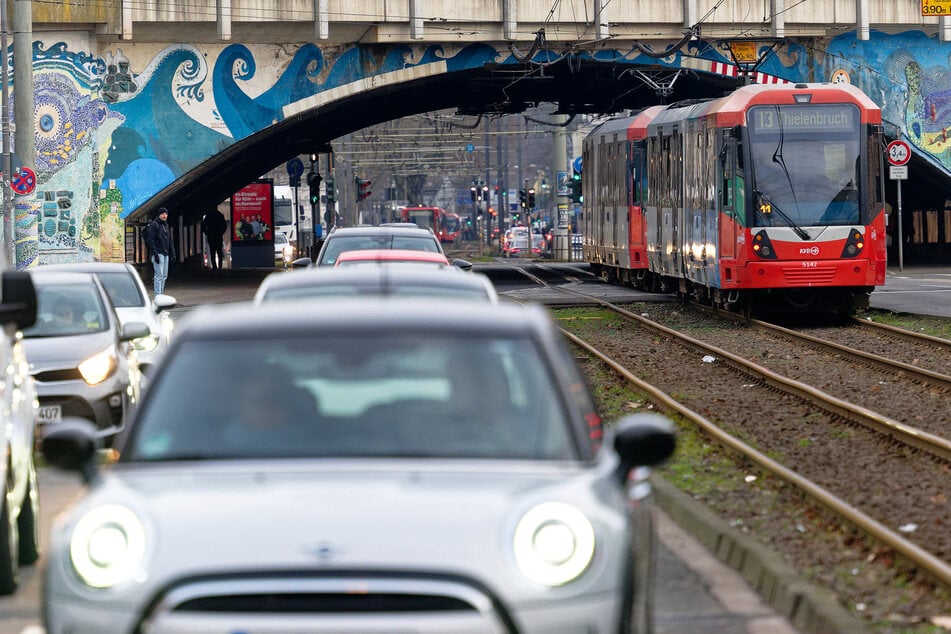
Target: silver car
x: 373, y: 465
x: 20, y: 506
x: 397, y: 280
x: 133, y: 303
x: 80, y: 356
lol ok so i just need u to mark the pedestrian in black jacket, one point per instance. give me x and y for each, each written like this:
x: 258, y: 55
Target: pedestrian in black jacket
x: 158, y: 239
x: 213, y: 225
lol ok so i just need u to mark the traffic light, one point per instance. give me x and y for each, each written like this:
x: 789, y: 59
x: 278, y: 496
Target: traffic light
x: 531, y: 198
x: 331, y: 193
x: 313, y: 181
x: 472, y: 193
x: 522, y: 198
x: 574, y: 188
x: 363, y: 188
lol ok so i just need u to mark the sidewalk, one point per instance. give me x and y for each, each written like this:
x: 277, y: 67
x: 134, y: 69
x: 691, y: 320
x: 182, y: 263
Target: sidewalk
x: 193, y: 286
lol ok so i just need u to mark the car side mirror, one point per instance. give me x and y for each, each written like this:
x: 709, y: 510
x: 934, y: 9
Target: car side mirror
x: 643, y: 440
x: 164, y: 302
x: 19, y: 299
x: 465, y: 265
x: 72, y: 445
x: 134, y: 330
x: 301, y: 263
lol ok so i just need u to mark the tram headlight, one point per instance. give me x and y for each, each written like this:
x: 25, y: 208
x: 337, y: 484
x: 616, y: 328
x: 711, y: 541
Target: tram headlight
x: 853, y: 244
x: 762, y: 246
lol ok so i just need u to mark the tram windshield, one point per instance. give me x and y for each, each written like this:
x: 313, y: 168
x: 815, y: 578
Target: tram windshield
x: 806, y: 164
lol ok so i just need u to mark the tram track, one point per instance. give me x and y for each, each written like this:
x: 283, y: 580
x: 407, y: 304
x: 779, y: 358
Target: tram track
x: 894, y: 462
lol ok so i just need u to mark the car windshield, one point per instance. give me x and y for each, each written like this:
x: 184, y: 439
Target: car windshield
x: 67, y: 309
x: 338, y: 244
x: 380, y: 394
x: 122, y: 289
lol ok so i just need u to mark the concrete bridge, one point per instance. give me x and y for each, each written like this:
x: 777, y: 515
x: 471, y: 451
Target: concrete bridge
x: 181, y: 102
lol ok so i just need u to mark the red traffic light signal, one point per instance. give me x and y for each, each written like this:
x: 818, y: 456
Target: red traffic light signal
x: 363, y: 188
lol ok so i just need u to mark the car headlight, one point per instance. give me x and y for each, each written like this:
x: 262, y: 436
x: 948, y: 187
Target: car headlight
x: 553, y: 543
x: 148, y: 344
x: 99, y: 366
x: 107, y: 546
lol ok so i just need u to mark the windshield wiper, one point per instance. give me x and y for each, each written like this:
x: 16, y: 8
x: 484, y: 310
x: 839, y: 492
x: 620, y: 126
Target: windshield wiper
x: 774, y: 208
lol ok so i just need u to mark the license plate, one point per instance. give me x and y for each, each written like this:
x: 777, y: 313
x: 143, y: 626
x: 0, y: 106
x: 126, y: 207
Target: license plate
x: 50, y: 414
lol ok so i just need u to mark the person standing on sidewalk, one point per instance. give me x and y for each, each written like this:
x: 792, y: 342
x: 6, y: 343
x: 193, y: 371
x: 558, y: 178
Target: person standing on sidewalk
x: 158, y: 240
x: 213, y: 225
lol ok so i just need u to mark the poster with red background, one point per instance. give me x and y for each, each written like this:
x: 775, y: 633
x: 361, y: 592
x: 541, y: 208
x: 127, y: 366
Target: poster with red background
x: 252, y: 210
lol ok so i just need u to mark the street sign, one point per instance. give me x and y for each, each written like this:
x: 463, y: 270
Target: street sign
x: 899, y: 153
x: 295, y: 167
x: 576, y: 164
x: 935, y: 7
x: 470, y: 147
x: 744, y: 51
x: 898, y: 172
x: 24, y: 181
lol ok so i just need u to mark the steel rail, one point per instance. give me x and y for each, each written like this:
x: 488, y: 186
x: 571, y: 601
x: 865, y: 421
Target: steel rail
x: 900, y: 432
x: 910, y: 335
x: 920, y: 374
x: 928, y: 562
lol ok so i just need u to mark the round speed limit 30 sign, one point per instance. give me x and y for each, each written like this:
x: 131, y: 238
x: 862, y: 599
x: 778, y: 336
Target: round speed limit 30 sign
x: 898, y: 152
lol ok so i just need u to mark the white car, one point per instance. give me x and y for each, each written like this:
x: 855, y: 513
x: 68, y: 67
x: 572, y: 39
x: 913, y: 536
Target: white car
x: 133, y: 303
x: 368, y: 465
x: 19, y: 507
x: 284, y: 251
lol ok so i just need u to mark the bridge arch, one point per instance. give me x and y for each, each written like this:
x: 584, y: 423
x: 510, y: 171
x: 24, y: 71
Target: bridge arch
x: 316, y: 122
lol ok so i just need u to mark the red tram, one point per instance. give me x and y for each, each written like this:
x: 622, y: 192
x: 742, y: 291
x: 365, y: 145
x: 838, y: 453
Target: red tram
x: 447, y: 225
x: 769, y: 198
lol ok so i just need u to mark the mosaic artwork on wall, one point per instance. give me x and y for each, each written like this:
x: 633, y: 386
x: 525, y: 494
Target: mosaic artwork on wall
x: 115, y: 127
x: 908, y: 75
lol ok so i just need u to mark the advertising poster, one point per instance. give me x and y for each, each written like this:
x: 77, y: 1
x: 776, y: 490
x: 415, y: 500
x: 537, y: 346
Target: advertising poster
x: 252, y: 213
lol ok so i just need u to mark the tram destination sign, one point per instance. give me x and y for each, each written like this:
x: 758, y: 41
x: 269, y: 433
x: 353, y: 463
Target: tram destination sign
x: 935, y: 7
x: 819, y: 118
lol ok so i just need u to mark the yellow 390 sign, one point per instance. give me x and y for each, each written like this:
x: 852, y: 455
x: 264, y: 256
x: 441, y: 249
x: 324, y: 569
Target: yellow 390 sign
x: 935, y: 7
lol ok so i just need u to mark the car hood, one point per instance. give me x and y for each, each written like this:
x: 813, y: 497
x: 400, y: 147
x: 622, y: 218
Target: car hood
x: 57, y: 352
x: 216, y: 520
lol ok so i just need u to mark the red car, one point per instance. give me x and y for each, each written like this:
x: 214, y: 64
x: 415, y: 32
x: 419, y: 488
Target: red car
x: 379, y: 256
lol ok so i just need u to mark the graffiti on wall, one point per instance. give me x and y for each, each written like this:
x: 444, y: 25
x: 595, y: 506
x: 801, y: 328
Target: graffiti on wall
x: 908, y: 75
x: 115, y: 127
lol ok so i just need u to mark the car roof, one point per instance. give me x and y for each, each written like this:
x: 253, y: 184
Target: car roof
x: 86, y: 267
x: 45, y: 275
x: 378, y: 277
x: 374, y: 230
x: 366, y: 314
x: 369, y: 255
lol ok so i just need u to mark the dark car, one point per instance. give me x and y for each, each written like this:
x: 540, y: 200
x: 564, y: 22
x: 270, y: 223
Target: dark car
x: 362, y: 465
x: 392, y: 236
